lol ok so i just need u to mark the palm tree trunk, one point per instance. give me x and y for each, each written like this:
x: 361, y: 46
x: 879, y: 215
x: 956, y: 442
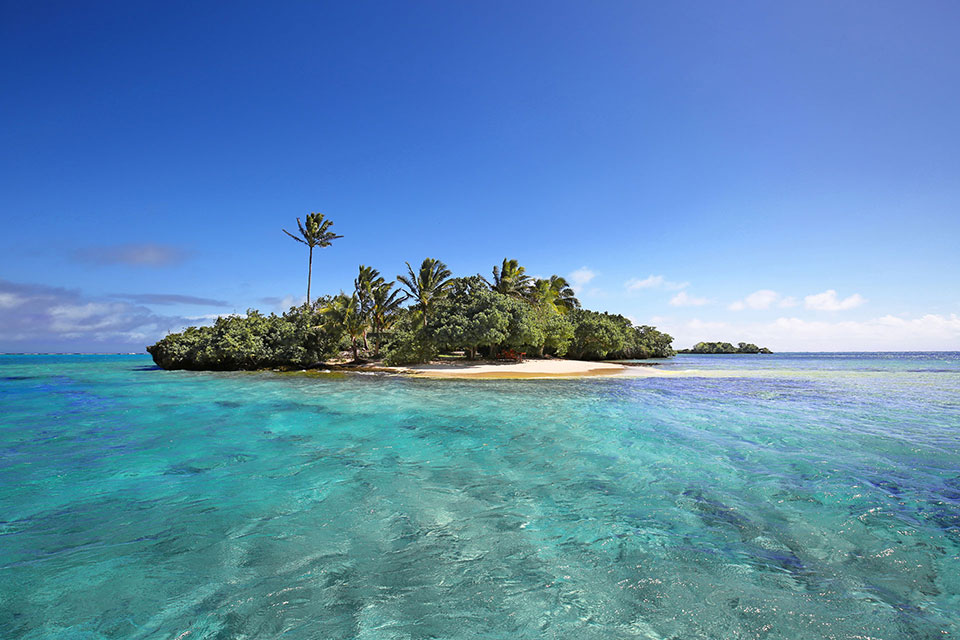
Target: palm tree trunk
x: 355, y: 356
x: 309, y: 274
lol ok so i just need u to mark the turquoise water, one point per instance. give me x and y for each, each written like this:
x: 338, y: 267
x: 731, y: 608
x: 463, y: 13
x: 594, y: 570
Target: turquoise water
x: 810, y: 497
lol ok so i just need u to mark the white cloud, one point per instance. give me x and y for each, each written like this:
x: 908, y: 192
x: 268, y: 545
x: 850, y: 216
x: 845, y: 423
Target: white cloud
x: 930, y: 332
x: 683, y: 299
x: 654, y: 282
x: 828, y: 301
x: 9, y: 300
x: 788, y: 302
x: 53, y: 318
x: 580, y: 277
x: 761, y: 299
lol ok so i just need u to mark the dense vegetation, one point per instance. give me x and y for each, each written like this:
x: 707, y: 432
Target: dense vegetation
x: 725, y: 347
x: 536, y: 316
x: 299, y: 338
x: 471, y: 315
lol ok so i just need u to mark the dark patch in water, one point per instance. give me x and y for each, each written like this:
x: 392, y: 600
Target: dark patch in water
x: 20, y: 378
x: 185, y: 470
x: 887, y: 485
x: 229, y: 404
x: 953, y: 483
x: 714, y: 512
x: 293, y: 437
x: 784, y: 560
x: 947, y: 519
x: 151, y: 367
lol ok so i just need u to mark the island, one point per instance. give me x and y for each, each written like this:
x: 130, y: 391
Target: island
x: 725, y: 347
x: 424, y: 316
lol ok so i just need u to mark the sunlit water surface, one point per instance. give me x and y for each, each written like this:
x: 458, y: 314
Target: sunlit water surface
x: 815, y: 496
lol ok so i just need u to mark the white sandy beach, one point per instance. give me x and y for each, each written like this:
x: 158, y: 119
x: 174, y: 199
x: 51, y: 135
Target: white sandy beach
x: 557, y: 368
x: 552, y: 368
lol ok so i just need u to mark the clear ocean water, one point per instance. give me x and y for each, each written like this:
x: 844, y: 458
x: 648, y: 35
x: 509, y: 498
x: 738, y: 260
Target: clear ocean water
x: 790, y: 496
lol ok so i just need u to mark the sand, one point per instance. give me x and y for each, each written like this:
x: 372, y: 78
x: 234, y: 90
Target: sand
x: 552, y: 368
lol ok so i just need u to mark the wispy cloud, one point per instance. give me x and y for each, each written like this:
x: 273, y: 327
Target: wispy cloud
x: 654, y: 282
x: 581, y: 277
x: 829, y: 301
x: 170, y: 298
x: 44, y: 318
x: 683, y: 299
x: 138, y: 255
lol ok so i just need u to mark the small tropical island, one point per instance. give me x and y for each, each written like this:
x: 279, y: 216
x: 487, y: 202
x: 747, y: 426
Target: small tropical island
x: 725, y: 348
x: 423, y: 316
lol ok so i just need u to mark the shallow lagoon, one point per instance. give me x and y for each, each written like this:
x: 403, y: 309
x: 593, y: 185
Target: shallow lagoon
x: 803, y: 496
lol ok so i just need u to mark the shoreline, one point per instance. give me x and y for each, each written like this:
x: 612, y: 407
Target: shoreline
x: 533, y: 368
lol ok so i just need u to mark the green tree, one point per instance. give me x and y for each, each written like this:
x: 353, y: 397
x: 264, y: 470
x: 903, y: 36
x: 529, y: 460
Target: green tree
x: 364, y: 285
x: 470, y: 316
x: 541, y: 295
x: 557, y: 334
x: 409, y: 342
x: 564, y: 297
x: 344, y: 311
x: 427, y: 285
x: 553, y: 293
x: 511, y: 279
x: 385, y: 307
x: 595, y: 335
x: 316, y: 233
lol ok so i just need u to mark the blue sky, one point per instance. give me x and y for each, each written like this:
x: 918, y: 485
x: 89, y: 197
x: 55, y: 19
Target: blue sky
x: 717, y: 169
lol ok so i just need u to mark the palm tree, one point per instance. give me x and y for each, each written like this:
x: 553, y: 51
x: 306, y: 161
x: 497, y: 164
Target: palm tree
x: 564, y: 297
x: 386, y: 303
x: 426, y: 285
x: 541, y: 295
x: 366, y: 281
x: 364, y: 284
x: 511, y: 279
x: 316, y: 233
x: 345, y: 312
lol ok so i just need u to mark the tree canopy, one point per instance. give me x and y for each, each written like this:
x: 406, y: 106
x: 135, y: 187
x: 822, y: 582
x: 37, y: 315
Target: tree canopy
x: 315, y: 233
x: 468, y: 315
x: 725, y: 347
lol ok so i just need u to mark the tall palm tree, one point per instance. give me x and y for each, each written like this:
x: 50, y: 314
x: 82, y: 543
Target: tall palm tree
x: 316, y: 233
x: 564, y: 297
x: 511, y: 279
x: 386, y: 304
x: 426, y: 285
x: 345, y: 312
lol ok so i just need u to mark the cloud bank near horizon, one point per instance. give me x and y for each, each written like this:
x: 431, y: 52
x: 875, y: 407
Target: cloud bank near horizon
x: 929, y: 332
x: 36, y: 317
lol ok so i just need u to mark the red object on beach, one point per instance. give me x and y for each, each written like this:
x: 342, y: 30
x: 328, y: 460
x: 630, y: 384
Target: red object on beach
x: 510, y: 354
